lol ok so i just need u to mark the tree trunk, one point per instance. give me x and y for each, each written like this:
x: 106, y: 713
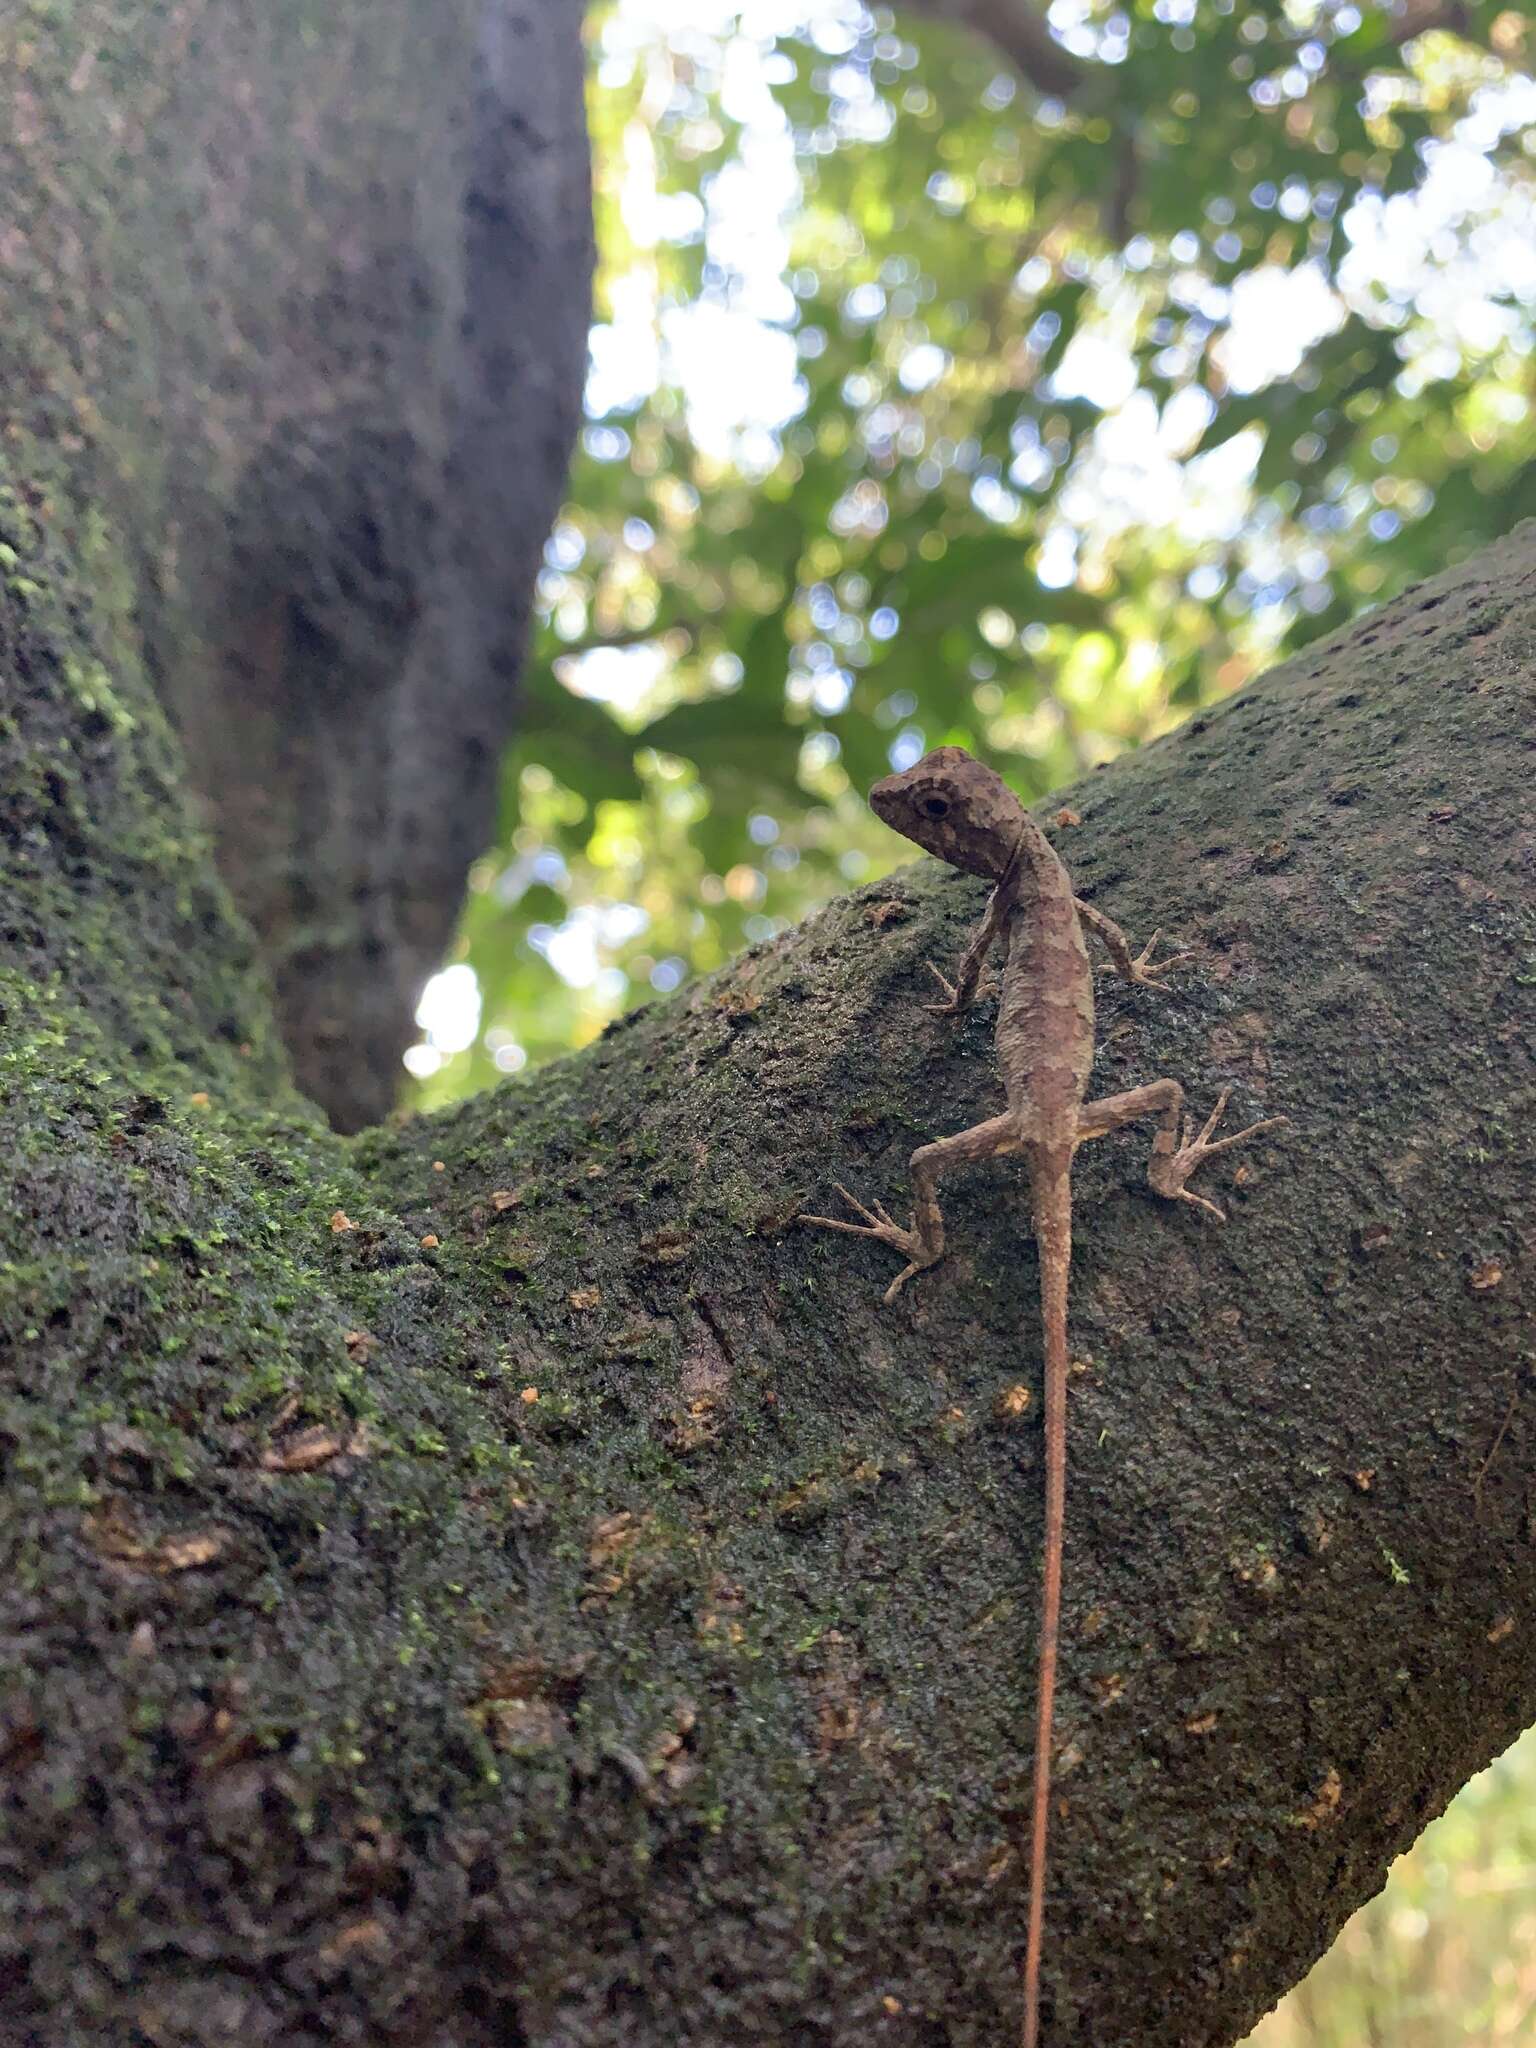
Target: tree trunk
x: 300, y: 294
x: 494, y: 1581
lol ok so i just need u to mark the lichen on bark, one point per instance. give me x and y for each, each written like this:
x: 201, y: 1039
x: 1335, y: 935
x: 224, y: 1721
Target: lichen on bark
x: 496, y: 1580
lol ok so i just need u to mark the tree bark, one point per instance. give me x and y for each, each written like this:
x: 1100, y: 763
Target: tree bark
x: 305, y: 294
x: 495, y: 1581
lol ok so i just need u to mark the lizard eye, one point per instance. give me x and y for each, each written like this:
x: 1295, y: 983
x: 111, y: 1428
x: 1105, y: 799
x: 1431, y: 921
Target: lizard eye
x: 935, y: 807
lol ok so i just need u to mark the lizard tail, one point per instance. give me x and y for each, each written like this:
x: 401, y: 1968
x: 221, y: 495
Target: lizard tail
x: 1053, y: 1235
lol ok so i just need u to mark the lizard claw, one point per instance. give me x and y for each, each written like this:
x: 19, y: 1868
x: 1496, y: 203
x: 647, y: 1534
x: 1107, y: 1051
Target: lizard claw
x: 900, y: 1281
x: 951, y: 1005
x: 878, y: 1222
x: 1170, y: 1173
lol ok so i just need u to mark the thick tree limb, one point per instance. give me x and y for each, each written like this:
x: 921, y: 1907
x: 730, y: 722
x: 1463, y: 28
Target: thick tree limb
x: 493, y: 1582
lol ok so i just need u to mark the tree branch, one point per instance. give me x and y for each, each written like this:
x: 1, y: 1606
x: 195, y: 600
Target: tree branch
x: 1420, y: 17
x: 495, y: 1582
x: 1019, y: 31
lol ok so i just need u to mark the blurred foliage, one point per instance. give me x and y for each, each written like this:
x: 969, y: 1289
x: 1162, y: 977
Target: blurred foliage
x: 1446, y: 1955
x: 924, y: 409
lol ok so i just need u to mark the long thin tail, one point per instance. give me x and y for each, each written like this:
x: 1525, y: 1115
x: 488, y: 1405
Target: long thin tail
x: 1053, y: 1235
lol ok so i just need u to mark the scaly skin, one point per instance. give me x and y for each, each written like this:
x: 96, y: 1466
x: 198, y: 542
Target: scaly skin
x: 954, y: 807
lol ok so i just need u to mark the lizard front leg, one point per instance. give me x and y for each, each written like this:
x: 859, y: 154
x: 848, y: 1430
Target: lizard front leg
x: 1174, y: 1156
x: 922, y: 1243
x: 960, y: 993
x: 1141, y: 971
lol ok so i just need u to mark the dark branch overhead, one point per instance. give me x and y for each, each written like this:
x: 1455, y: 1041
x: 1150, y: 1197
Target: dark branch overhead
x: 1019, y: 30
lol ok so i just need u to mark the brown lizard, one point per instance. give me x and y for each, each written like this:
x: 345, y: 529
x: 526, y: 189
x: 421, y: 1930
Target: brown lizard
x: 955, y: 807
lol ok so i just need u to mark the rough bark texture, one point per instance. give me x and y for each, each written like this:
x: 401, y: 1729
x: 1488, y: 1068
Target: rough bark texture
x: 491, y: 1582
x: 300, y: 293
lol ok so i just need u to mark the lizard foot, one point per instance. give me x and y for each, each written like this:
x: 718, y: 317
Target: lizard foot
x: 881, y: 1225
x: 1169, y: 1173
x: 1145, y: 971
x: 951, y: 1006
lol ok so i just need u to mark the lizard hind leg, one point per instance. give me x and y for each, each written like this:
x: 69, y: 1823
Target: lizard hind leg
x: 922, y: 1242
x: 1176, y: 1155
x: 1171, y: 1166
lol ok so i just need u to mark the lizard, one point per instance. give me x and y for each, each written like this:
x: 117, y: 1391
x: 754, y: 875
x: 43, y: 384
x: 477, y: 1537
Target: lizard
x: 954, y: 806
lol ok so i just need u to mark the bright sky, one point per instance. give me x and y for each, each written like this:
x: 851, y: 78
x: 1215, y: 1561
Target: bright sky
x: 1443, y: 257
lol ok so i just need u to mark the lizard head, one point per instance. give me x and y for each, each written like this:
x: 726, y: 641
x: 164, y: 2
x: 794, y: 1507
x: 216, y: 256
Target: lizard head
x: 951, y: 805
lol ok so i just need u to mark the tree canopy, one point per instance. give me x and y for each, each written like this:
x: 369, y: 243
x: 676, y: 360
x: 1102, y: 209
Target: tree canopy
x: 941, y: 394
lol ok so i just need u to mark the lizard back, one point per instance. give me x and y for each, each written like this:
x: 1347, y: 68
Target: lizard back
x: 1045, y: 1018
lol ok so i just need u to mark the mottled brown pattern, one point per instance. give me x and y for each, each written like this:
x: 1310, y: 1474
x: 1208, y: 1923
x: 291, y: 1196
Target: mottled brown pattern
x: 960, y: 810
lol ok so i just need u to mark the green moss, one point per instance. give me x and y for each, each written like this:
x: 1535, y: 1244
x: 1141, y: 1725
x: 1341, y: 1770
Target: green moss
x: 109, y: 886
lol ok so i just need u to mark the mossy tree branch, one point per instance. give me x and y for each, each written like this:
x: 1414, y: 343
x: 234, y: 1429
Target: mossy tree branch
x: 492, y: 1581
